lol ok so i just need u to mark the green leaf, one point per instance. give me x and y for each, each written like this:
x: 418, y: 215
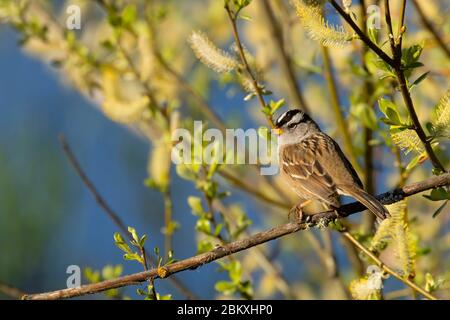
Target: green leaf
x: 109, y: 272
x: 267, y: 111
x: 438, y: 194
x: 120, y: 243
x: 438, y: 211
x: 142, y: 240
x: 129, y: 14
x: 186, y: 173
x: 411, y: 56
x: 390, y: 110
x: 218, y: 229
x: 274, y: 106
x: 249, y: 97
x: 413, y: 163
x: 203, y: 225
x: 419, y: 80
x: 132, y: 256
x: 225, y: 287
x: 366, y: 115
x: 134, y: 234
x: 93, y: 276
x: 195, y: 203
x: 235, y: 271
x: 204, y: 246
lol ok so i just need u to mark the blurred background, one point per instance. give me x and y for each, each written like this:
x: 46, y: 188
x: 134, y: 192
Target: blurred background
x: 48, y: 219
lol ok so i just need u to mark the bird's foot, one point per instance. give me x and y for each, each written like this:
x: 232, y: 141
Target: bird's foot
x: 298, y: 211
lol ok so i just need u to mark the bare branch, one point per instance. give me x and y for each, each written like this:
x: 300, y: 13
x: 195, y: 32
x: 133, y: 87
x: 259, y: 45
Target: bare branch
x: 11, y: 291
x: 240, y: 245
x: 108, y: 210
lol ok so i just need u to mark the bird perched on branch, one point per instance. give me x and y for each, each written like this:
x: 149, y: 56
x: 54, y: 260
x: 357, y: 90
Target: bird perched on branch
x: 315, y: 167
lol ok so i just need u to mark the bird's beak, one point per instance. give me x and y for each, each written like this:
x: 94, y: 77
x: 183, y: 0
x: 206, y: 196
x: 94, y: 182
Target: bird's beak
x: 278, y: 131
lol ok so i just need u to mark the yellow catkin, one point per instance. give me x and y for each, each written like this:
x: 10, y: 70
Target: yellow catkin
x: 317, y: 27
x: 213, y: 57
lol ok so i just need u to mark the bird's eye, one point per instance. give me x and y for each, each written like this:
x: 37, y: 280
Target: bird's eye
x: 292, y: 125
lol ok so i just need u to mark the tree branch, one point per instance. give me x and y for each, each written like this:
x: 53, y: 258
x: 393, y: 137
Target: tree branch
x: 396, y: 64
x: 431, y: 28
x: 362, y: 35
x: 284, y: 59
x: 11, y: 291
x: 256, y: 87
x: 240, y: 245
x: 108, y: 210
x: 387, y: 268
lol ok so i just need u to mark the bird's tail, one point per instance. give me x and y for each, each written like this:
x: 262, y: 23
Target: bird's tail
x: 369, y: 201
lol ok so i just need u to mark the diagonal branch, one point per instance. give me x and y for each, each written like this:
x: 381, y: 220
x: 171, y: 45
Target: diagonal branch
x: 431, y: 28
x: 240, y: 245
x: 396, y: 64
x: 285, y: 60
x: 108, y: 210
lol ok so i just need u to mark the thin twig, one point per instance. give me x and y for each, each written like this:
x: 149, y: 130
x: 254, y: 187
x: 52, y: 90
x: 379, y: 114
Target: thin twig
x: 362, y: 35
x: 107, y: 208
x: 395, y: 63
x: 11, y: 291
x: 243, y: 244
x: 283, y: 57
x: 257, y: 89
x: 396, y: 45
x: 369, y: 172
x: 387, y: 268
x: 431, y: 28
x: 339, y: 117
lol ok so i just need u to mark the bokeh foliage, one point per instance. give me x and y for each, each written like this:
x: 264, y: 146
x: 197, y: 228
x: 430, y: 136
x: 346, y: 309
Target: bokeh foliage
x: 138, y: 61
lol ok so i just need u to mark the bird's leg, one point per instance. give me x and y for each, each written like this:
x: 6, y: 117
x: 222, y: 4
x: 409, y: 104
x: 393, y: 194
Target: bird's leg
x: 298, y: 210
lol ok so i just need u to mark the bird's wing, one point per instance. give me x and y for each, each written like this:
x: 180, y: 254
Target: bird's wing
x: 302, y: 163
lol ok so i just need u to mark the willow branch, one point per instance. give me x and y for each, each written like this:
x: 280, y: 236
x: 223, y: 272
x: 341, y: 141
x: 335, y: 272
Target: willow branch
x: 283, y: 57
x: 257, y: 89
x: 396, y: 46
x: 395, y: 63
x: 108, y: 210
x: 240, y: 245
x: 431, y: 28
x: 339, y: 117
x: 361, y: 34
x: 11, y: 291
x: 387, y: 268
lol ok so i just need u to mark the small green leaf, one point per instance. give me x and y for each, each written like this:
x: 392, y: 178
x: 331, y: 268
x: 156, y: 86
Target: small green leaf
x: 195, y: 203
x: 274, y: 106
x: 204, y: 246
x: 185, y: 172
x: 419, y: 80
x: 390, y: 111
x: 438, y: 194
x: 120, y: 243
x: 249, y: 97
x: 235, y: 271
x: 218, y: 229
x: 439, y: 210
x: 225, y: 287
x: 203, y: 225
x: 91, y: 275
x: 129, y: 14
x: 134, y: 234
x: 142, y: 240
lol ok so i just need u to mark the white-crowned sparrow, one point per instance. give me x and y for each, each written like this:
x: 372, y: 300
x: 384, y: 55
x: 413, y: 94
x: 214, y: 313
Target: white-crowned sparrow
x: 315, y: 167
